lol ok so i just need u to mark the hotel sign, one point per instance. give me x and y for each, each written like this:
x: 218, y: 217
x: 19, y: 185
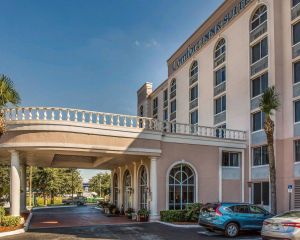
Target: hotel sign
x: 193, y: 48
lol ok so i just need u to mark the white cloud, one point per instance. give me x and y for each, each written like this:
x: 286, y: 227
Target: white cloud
x: 148, y: 44
x: 137, y: 43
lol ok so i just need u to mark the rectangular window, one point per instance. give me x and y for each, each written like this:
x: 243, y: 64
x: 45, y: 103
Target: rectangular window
x: 193, y: 93
x: 259, y: 85
x: 173, y: 106
x: 166, y: 95
x: 261, y: 193
x: 155, y: 103
x: 258, y: 120
x: 297, y: 151
x: 194, y: 117
x: 297, y: 72
x: 230, y: 159
x: 260, y: 50
x: 295, y: 2
x: 220, y: 104
x: 296, y: 33
x: 297, y: 111
x: 220, y: 76
x: 166, y: 115
x: 260, y: 156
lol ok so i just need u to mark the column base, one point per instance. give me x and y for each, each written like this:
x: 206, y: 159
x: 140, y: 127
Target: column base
x: 154, y: 218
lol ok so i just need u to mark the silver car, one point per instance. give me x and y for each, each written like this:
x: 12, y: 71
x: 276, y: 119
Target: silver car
x: 283, y: 226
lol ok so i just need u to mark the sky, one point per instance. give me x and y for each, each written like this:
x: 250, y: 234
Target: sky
x: 93, y: 54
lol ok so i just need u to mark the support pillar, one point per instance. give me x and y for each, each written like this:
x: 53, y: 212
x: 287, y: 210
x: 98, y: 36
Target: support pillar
x: 112, y: 187
x: 135, y: 188
x: 120, y: 195
x: 23, y: 188
x: 15, y: 184
x: 153, y: 185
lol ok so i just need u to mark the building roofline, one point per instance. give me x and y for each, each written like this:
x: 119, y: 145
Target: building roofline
x: 159, y: 86
x: 198, y: 29
x: 150, y: 83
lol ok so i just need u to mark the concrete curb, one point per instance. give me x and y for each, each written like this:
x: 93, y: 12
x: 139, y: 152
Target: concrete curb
x: 26, y: 225
x: 180, y: 226
x: 15, y: 232
x: 49, y: 207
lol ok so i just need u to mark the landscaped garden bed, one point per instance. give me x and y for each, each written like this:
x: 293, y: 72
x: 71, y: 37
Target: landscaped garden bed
x: 185, y: 216
x: 11, y: 223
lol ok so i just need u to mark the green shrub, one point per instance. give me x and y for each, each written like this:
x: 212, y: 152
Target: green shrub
x: 2, y: 213
x: 10, y: 221
x: 193, y: 211
x: 173, y: 216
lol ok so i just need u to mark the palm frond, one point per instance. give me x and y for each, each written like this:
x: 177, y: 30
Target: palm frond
x: 270, y: 101
x: 8, y: 93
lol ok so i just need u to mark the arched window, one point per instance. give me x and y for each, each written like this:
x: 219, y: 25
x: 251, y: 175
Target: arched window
x: 115, y: 190
x: 181, y: 186
x: 143, y: 189
x: 194, y: 70
x: 259, y: 17
x: 127, y: 190
x: 173, y: 85
x: 220, y: 48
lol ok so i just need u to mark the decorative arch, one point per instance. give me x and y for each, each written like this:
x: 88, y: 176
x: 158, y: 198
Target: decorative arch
x: 259, y: 16
x: 194, y: 69
x: 220, y: 48
x: 143, y: 183
x: 127, y: 189
x: 173, y: 85
x: 187, y: 180
x: 115, y: 189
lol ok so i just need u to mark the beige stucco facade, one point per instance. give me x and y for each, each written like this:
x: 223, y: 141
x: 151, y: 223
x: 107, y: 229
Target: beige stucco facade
x: 241, y: 105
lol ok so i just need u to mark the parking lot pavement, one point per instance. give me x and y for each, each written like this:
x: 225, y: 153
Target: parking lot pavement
x: 139, y: 231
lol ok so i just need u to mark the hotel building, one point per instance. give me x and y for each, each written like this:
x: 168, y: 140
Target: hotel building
x: 216, y: 78
x: 197, y: 137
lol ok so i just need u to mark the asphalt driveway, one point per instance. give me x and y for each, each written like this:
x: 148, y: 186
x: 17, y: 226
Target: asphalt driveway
x: 88, y: 223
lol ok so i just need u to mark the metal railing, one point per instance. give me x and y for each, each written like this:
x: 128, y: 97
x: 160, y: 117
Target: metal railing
x: 116, y: 120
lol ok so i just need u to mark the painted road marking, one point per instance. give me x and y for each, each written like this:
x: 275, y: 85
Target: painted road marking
x: 213, y: 234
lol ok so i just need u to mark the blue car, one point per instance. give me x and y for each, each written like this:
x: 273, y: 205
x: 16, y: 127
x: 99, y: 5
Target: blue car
x: 232, y: 217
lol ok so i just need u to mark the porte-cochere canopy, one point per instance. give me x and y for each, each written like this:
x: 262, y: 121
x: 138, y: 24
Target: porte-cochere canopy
x: 72, y: 138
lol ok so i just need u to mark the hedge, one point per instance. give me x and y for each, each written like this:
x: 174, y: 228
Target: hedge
x: 10, y: 221
x: 173, y: 216
x: 2, y: 213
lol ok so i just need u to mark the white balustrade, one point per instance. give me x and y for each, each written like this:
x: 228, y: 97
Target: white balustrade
x: 109, y: 119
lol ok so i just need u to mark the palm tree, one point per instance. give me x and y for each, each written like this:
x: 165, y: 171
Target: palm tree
x: 8, y: 94
x: 270, y: 103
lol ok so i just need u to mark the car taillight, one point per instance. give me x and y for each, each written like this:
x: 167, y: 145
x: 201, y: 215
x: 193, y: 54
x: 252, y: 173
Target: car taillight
x: 266, y: 223
x: 291, y: 224
x: 218, y: 213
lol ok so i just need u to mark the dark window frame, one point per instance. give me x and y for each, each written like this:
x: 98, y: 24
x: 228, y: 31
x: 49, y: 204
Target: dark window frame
x: 223, y: 106
x: 261, y: 50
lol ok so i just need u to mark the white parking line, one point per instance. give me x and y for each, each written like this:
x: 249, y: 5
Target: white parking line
x: 213, y: 234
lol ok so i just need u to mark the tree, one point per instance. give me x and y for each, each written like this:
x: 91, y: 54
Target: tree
x: 4, y: 184
x: 8, y: 94
x: 52, y: 182
x: 100, y: 182
x: 270, y: 103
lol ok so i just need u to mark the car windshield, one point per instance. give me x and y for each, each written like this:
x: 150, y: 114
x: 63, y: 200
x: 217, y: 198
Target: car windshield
x: 293, y: 214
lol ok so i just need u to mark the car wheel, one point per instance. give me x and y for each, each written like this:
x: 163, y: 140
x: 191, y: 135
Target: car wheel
x: 231, y: 230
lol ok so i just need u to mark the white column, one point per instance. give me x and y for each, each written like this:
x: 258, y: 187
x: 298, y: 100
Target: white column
x: 112, y: 186
x: 23, y: 188
x: 120, y: 195
x: 220, y: 175
x: 15, y: 184
x: 153, y: 185
x: 135, y: 188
